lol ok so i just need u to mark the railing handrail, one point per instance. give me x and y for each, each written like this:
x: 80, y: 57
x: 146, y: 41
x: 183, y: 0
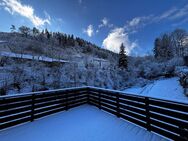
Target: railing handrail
x: 41, y: 92
x: 97, y: 88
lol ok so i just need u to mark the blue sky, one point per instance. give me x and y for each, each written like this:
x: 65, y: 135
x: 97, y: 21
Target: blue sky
x: 106, y: 23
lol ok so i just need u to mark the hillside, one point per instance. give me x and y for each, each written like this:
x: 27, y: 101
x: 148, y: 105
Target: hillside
x: 169, y: 89
x: 41, y: 46
x: 35, y: 63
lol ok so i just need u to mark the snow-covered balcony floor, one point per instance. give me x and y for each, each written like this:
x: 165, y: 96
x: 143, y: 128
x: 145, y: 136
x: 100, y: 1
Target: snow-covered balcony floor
x: 83, y: 123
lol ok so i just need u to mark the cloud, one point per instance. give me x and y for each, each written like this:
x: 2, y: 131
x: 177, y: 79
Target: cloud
x: 89, y: 31
x: 115, y: 38
x: 173, y: 13
x: 105, y: 23
x: 27, y: 11
x: 134, y: 24
x: 180, y: 13
x: 166, y: 15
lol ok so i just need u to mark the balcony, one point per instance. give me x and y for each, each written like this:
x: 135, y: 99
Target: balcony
x: 92, y: 114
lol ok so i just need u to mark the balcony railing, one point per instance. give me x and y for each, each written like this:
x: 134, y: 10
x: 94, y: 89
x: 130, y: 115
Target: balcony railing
x: 167, y: 118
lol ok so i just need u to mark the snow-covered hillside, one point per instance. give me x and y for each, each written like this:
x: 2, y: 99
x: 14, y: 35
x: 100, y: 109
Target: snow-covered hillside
x: 164, y: 89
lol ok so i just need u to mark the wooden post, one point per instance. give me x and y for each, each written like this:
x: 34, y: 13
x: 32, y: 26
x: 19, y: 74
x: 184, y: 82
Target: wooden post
x: 88, y: 91
x: 117, y: 106
x: 33, y: 107
x: 99, y: 99
x: 147, y: 114
x: 66, y: 102
x: 182, y: 133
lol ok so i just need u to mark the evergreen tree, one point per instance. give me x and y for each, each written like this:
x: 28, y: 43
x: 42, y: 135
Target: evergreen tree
x: 47, y: 34
x: 157, y: 46
x: 123, y: 63
x: 13, y: 28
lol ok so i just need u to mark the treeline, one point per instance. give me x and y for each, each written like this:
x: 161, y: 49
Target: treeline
x: 61, y: 38
x: 170, y: 45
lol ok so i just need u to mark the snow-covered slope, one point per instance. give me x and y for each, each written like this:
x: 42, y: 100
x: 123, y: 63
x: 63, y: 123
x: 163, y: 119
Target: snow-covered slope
x: 164, y: 89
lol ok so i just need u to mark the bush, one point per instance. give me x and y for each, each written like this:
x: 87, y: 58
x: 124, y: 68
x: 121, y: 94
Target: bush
x: 34, y: 49
x: 3, y: 91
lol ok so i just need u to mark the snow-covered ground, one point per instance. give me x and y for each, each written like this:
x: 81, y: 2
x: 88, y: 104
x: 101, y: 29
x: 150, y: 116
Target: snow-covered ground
x: 27, y: 56
x: 84, y: 123
x: 169, y: 89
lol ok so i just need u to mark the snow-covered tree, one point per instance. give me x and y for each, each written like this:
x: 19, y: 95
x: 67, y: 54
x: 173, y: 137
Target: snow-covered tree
x: 24, y: 30
x: 177, y: 37
x: 35, y: 31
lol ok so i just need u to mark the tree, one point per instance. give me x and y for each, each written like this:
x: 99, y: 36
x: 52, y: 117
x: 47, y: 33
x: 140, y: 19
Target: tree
x: 157, y: 46
x: 123, y: 63
x: 177, y: 38
x: 24, y: 30
x: 163, y: 47
x: 13, y: 28
x: 166, y: 47
x: 35, y: 31
x: 47, y: 34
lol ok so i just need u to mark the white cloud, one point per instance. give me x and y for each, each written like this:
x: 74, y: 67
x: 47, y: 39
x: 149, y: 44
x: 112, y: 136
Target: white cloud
x: 134, y: 21
x: 115, y: 38
x: 166, y: 14
x: 134, y: 24
x: 89, y: 31
x: 15, y: 6
x: 105, y: 23
x: 180, y: 13
x: 172, y: 14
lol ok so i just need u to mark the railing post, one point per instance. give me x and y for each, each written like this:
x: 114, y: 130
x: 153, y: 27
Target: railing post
x: 147, y: 114
x: 88, y: 91
x: 32, y: 107
x: 99, y: 99
x: 117, y: 106
x: 66, y: 102
x: 183, y: 134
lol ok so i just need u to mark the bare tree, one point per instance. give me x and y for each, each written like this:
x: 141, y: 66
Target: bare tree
x: 177, y: 39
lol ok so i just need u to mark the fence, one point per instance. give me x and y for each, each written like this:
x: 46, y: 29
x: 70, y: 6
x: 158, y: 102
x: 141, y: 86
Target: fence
x: 166, y: 118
